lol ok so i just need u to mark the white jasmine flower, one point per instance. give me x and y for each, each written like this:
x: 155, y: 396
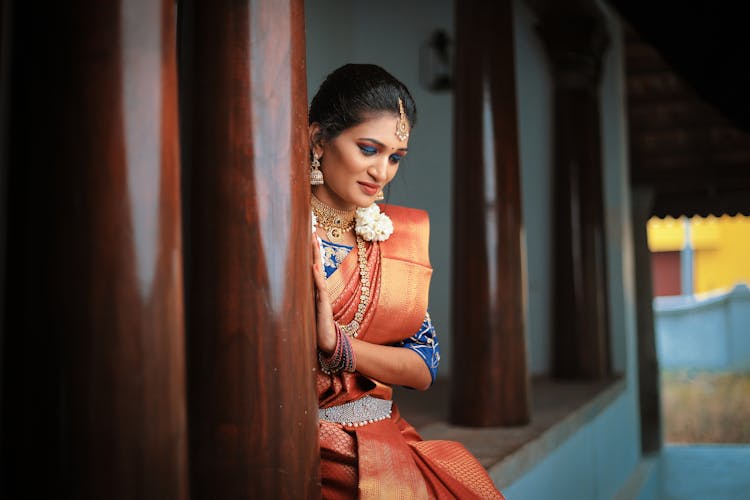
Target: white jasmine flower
x: 372, y: 225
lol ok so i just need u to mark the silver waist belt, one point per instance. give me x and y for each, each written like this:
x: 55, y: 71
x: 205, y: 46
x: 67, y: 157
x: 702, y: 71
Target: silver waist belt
x: 363, y: 411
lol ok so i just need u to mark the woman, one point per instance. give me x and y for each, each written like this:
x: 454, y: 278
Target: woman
x: 372, y: 274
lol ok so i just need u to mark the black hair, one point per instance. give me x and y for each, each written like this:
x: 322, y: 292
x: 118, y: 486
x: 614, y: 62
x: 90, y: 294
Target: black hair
x: 352, y: 92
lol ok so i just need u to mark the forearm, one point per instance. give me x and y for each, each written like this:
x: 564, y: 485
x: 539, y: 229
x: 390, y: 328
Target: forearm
x: 392, y: 365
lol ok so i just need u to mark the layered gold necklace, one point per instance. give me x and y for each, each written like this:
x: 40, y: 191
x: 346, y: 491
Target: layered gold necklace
x: 334, y: 222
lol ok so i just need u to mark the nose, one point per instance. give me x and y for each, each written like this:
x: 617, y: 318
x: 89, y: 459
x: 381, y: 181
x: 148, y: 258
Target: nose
x: 379, y: 169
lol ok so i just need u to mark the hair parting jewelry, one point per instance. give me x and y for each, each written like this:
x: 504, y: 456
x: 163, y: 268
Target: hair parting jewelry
x: 316, y: 175
x: 402, y: 125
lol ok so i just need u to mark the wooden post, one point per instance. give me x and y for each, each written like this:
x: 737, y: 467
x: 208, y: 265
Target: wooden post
x: 251, y: 345
x: 94, y: 383
x: 648, y: 361
x: 575, y: 38
x: 490, y: 380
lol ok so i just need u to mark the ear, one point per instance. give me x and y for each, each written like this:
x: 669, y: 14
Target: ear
x: 315, y: 136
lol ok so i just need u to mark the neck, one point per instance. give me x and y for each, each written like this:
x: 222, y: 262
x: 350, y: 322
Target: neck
x: 331, y: 199
x: 326, y: 211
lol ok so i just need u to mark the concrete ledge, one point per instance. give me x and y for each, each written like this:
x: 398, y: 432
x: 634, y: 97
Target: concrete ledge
x: 643, y: 482
x: 559, y: 409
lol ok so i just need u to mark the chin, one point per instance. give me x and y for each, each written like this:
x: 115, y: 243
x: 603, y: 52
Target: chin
x: 365, y: 202
x: 360, y: 200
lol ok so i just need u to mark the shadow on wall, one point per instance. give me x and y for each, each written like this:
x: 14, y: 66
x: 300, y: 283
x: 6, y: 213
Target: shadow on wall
x: 710, y: 333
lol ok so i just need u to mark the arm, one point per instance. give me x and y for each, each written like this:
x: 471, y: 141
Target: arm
x: 392, y: 365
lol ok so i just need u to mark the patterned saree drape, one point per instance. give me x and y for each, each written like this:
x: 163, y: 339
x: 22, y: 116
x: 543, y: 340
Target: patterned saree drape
x: 388, y: 459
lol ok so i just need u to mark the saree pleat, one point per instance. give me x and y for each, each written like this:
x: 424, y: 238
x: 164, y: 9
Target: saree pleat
x: 338, y: 462
x: 388, y: 459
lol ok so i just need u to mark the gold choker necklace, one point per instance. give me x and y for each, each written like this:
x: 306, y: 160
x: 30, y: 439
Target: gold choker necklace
x: 334, y: 222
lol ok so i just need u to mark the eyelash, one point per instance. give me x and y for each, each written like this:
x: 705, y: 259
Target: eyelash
x: 369, y: 151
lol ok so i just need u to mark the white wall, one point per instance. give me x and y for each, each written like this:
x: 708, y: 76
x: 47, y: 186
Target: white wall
x: 534, y: 97
x: 596, y: 461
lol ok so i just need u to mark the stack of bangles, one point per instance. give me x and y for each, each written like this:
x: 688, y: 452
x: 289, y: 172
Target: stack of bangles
x: 342, y: 357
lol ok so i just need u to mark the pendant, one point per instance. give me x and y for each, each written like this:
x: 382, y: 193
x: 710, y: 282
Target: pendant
x: 335, y: 234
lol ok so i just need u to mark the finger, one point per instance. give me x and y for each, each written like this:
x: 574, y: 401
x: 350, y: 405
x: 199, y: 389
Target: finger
x: 320, y: 281
x: 316, y: 249
x: 319, y: 277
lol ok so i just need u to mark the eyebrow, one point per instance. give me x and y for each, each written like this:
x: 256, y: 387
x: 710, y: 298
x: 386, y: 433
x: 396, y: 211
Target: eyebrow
x: 380, y: 143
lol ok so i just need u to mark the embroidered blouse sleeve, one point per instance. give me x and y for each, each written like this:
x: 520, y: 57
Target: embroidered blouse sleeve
x: 425, y: 343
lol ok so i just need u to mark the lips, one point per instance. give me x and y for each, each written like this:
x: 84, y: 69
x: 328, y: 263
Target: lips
x: 368, y: 188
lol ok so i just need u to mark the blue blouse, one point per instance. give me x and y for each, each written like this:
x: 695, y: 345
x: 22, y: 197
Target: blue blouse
x: 424, y: 342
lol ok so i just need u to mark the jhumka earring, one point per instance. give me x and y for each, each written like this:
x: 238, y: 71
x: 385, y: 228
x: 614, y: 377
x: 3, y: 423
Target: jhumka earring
x: 316, y: 176
x: 379, y: 196
x: 402, y: 125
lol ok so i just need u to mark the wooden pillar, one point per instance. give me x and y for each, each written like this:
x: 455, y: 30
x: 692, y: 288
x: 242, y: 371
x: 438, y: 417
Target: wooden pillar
x: 489, y: 380
x: 94, y: 382
x: 252, y: 402
x: 575, y: 37
x: 648, y: 361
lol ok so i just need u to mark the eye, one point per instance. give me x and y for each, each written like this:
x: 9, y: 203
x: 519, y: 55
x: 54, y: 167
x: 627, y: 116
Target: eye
x: 367, y: 150
x: 395, y: 158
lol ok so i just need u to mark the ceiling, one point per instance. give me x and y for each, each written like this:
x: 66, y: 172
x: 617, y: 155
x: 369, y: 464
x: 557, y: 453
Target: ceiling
x: 688, y: 110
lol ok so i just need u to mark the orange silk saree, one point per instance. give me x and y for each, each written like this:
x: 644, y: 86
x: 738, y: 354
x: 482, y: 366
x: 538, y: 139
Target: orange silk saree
x: 387, y: 458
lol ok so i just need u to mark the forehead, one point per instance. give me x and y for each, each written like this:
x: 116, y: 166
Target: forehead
x: 381, y: 127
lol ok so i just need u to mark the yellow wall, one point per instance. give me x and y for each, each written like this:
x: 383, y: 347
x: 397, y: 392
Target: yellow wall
x: 665, y: 234
x: 721, y: 248
x: 722, y: 252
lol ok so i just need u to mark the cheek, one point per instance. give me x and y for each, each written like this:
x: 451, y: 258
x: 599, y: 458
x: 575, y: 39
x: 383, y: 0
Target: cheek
x: 347, y: 160
x: 334, y: 164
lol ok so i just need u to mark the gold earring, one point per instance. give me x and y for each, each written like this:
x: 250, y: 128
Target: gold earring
x: 316, y: 176
x: 379, y: 196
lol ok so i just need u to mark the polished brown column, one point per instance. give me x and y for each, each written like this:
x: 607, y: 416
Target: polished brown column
x: 575, y: 37
x: 252, y: 402
x: 489, y: 375
x: 94, y: 383
x: 649, y: 383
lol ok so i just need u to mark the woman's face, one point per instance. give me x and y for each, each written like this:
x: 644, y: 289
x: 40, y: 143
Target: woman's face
x: 359, y: 162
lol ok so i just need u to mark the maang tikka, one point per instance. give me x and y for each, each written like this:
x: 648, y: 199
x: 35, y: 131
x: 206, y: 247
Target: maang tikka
x: 316, y: 176
x: 402, y: 125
